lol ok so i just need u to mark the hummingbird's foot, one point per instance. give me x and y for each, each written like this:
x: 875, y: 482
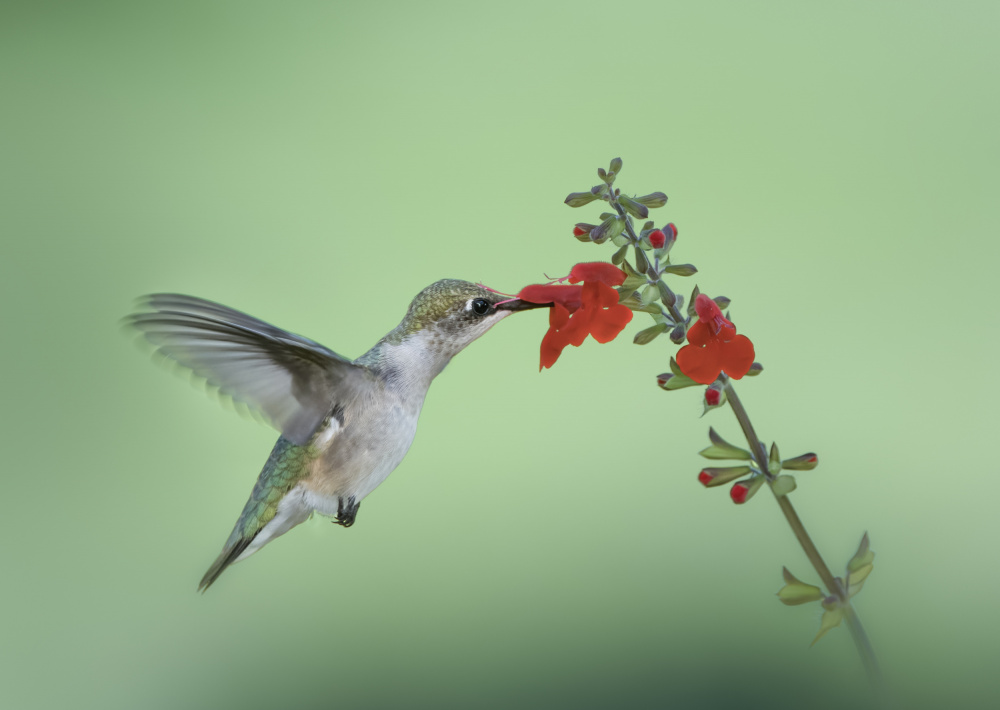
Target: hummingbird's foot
x: 347, y: 511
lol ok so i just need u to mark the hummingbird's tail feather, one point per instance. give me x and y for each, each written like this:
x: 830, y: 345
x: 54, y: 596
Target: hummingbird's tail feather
x: 276, y: 505
x: 228, y: 556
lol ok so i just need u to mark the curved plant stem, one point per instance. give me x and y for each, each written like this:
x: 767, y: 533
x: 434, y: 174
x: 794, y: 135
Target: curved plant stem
x: 833, y: 584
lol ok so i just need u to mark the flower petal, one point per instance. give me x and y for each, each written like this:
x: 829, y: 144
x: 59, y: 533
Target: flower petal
x: 607, y: 324
x: 698, y: 334
x: 554, y: 340
x: 738, y: 356
x: 599, y: 271
x: 701, y: 364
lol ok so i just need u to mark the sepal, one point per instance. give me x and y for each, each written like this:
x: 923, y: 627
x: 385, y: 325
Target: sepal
x: 783, y: 485
x: 859, y: 567
x: 832, y: 616
x: 796, y: 591
x: 720, y: 448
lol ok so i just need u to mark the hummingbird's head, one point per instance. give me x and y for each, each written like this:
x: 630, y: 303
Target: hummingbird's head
x: 444, y: 318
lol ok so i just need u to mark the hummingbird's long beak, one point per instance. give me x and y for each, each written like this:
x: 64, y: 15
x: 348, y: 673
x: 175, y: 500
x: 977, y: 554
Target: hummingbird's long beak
x: 516, y: 304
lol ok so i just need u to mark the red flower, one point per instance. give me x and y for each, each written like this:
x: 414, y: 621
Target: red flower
x: 579, y: 231
x: 714, y: 347
x: 657, y: 239
x: 739, y: 493
x: 578, y: 311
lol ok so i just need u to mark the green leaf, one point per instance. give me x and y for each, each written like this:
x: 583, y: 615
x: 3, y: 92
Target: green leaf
x: 796, y: 591
x: 832, y: 617
x: 636, y: 209
x: 722, y: 449
x: 783, y: 485
x: 774, y: 464
x: 617, y: 257
x: 579, y: 199
x: 649, y: 294
x: 649, y: 334
x: 653, y: 199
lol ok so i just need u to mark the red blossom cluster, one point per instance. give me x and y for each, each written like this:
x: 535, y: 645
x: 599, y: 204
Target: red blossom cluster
x: 578, y: 311
x: 713, y: 346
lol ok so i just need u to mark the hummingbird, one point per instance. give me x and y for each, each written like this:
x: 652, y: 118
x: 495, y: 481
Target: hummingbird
x: 345, y: 424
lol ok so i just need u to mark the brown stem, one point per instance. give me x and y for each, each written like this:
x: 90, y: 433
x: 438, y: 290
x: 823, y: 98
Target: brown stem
x: 833, y: 584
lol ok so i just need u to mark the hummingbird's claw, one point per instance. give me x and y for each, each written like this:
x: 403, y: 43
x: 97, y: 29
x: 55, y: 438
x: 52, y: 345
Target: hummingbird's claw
x: 347, y: 511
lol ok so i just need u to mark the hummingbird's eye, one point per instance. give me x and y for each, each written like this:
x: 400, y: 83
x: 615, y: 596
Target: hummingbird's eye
x: 480, y: 306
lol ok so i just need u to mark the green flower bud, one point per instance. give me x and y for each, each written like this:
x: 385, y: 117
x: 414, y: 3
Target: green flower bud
x: 579, y: 199
x: 653, y: 199
x: 636, y: 209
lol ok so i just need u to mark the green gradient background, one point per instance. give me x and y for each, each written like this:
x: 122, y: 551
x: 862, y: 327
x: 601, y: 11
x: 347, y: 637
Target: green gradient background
x: 832, y: 168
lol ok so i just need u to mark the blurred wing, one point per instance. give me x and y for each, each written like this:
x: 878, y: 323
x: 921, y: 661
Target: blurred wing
x: 292, y: 381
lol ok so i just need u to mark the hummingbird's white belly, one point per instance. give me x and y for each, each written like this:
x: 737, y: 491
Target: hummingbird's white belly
x: 357, y: 456
x: 353, y: 462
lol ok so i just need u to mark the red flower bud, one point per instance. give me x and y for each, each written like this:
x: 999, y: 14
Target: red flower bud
x: 657, y: 239
x: 713, y: 397
x: 744, y: 490
x: 578, y: 231
x: 673, y: 229
x: 704, y: 478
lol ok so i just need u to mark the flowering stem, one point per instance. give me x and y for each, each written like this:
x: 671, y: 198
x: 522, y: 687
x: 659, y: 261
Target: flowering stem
x: 833, y: 584
x: 672, y: 307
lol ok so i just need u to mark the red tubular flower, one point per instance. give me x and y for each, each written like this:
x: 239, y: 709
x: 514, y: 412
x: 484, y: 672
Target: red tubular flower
x: 578, y: 311
x: 714, y: 347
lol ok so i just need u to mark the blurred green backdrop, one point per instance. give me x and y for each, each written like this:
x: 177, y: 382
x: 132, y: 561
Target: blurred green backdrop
x: 832, y: 168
